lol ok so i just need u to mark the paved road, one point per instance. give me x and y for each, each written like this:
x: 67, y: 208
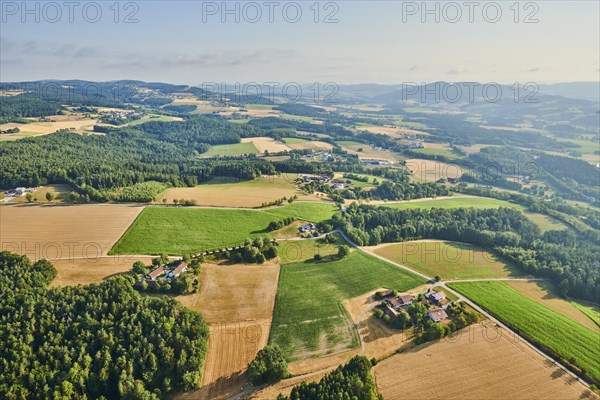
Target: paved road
x: 472, y: 304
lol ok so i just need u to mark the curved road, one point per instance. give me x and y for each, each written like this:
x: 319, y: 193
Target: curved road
x: 471, y: 303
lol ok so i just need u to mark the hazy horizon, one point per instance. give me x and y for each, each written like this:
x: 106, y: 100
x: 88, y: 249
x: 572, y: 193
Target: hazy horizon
x: 187, y: 42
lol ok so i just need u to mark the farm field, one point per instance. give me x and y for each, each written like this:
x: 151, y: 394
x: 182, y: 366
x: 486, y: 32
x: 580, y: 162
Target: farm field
x: 545, y: 222
x: 454, y: 202
x: 569, y: 339
x: 237, y: 149
x: 35, y: 128
x: 591, y: 311
x: 59, y: 191
x: 478, y: 363
x: 450, y: 260
x: 83, y: 272
x: 237, y: 302
x: 431, y: 171
x: 541, y: 293
x: 266, y: 143
x: 310, y: 319
x: 178, y: 230
x: 233, y: 193
x: 61, y: 231
x: 436, y: 151
x: 367, y: 151
x: 378, y: 339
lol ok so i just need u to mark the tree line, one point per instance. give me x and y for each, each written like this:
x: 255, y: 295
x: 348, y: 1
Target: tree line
x: 562, y: 256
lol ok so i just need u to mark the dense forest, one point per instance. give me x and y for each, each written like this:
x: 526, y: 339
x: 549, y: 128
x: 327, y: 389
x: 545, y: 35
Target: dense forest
x: 352, y: 380
x: 96, y: 341
x: 95, y: 163
x: 572, y: 263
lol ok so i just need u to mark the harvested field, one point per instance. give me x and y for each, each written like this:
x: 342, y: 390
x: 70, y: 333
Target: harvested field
x: 378, y: 339
x: 310, y: 145
x: 82, y: 272
x: 468, y: 366
x: 266, y: 143
x: 231, y: 193
x: 61, y: 231
x: 237, y: 302
x: 542, y: 294
x: 76, y: 122
x: 430, y: 170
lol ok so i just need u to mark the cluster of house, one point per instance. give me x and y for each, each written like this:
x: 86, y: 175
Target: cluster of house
x: 369, y: 162
x: 323, y: 155
x: 520, y: 178
x: 308, y: 228
x: 335, y: 183
x: 163, y: 273
x: 393, y: 305
x: 20, y: 191
x: 414, y: 145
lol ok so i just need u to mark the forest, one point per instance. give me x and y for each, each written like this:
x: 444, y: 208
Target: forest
x: 96, y: 341
x: 352, y: 380
x: 570, y: 261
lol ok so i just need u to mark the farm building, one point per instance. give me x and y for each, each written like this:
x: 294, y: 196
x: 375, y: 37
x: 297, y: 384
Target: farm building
x: 308, y: 227
x: 406, y: 300
x: 156, y: 273
x: 437, y: 296
x: 437, y: 315
x: 175, y: 272
x: 390, y: 312
x: 400, y: 301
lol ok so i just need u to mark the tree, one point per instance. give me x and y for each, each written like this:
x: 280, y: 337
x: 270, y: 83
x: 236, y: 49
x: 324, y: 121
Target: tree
x: 29, y: 197
x: 49, y: 196
x: 140, y: 268
x: 437, y: 278
x: 268, y: 366
x: 417, y: 312
x: 343, y: 251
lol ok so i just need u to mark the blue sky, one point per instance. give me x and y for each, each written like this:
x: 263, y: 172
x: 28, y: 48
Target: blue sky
x: 372, y: 41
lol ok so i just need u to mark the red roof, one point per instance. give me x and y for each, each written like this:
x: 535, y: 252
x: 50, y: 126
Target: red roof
x: 438, y: 314
x: 407, y: 298
x: 439, y: 296
x: 156, y: 273
x: 179, y: 269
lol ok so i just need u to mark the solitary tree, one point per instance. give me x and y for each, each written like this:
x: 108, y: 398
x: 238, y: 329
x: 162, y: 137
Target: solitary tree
x: 29, y: 197
x: 49, y: 196
x: 343, y: 251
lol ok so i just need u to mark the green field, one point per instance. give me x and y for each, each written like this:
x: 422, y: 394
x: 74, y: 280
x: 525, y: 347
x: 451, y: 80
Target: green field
x: 293, y: 140
x: 545, y: 222
x: 153, y: 118
x: 179, y: 230
x: 592, y: 312
x: 455, y: 202
x: 309, y: 318
x: 449, y: 260
x: 571, y: 341
x: 237, y: 149
x: 438, y: 152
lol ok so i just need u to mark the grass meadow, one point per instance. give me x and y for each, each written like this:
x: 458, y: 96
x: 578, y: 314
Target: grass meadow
x: 181, y: 230
x: 568, y: 339
x: 455, y: 202
x: 235, y: 149
x: 450, y: 260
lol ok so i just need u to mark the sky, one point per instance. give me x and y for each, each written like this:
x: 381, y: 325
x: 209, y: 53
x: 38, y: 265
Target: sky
x: 387, y: 42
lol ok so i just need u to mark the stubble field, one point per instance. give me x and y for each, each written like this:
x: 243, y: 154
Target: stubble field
x: 63, y: 231
x: 480, y: 363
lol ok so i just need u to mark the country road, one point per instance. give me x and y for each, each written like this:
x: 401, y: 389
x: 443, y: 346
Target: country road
x: 473, y: 304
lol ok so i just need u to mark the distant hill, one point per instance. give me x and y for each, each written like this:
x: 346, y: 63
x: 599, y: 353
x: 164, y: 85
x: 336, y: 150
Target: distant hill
x: 575, y: 90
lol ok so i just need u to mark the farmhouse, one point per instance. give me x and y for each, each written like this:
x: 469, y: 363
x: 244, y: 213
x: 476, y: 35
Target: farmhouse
x: 175, y: 272
x: 156, y: 273
x: 394, y: 302
x: 437, y: 296
x: 437, y: 315
x: 308, y: 227
x: 406, y: 300
x: 390, y: 312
